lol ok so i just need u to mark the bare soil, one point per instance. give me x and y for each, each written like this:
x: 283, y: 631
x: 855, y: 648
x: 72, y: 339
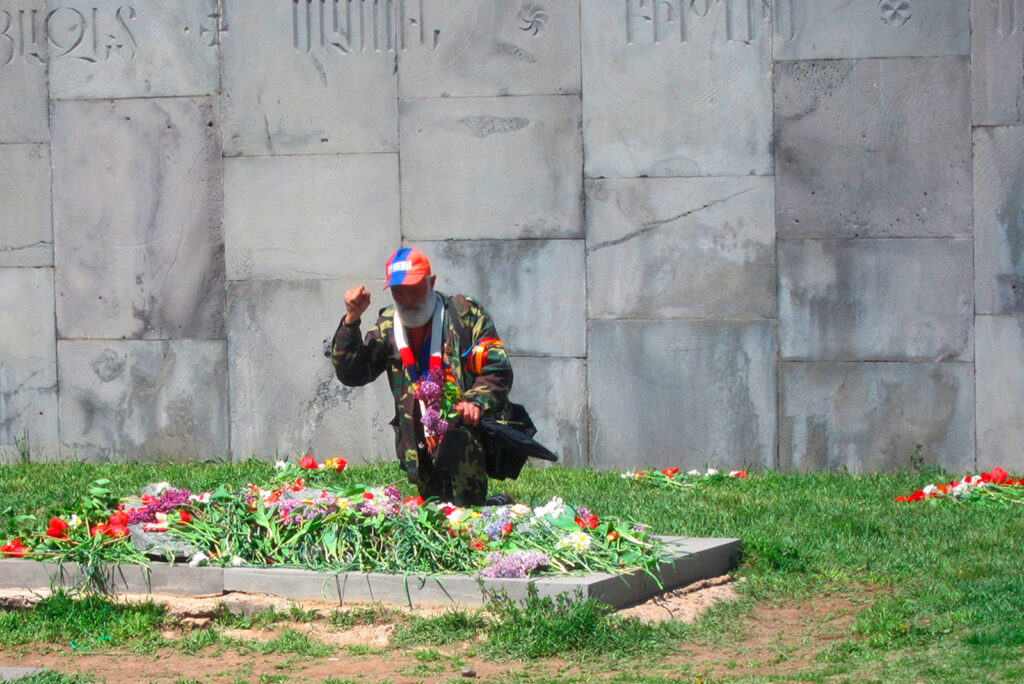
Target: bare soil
x: 778, y: 640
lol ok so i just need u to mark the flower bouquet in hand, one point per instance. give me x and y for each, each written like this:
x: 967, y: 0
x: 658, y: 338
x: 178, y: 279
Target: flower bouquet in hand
x: 438, y: 396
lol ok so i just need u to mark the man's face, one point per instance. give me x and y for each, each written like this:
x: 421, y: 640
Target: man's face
x: 415, y: 303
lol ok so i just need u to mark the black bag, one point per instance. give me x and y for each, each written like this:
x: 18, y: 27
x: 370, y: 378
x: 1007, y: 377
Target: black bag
x: 509, y: 442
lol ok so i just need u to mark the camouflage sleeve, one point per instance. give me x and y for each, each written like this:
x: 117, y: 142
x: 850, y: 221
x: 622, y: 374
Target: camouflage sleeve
x: 491, y: 387
x: 358, y: 362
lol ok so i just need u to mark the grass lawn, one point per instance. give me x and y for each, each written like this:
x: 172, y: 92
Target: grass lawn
x: 842, y: 584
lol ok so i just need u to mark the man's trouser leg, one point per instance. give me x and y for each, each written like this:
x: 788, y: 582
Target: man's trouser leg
x: 459, y: 472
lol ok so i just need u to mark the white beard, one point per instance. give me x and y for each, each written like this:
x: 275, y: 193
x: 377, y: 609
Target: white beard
x: 420, y: 313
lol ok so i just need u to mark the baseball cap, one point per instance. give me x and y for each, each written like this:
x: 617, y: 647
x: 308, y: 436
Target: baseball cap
x: 407, y: 266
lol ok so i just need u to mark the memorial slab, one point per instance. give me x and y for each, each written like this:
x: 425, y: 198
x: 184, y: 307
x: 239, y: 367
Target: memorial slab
x: 875, y: 300
x: 999, y: 220
x: 534, y: 289
x: 137, y: 217
x: 677, y: 88
x: 300, y: 217
x: 710, y: 384
x: 490, y: 49
x: 151, y: 400
x: 869, y: 417
x: 24, y: 106
x: 839, y: 29
x: 28, y: 425
x: 309, y: 77
x: 285, y: 397
x: 997, y: 72
x: 873, y: 148
x: 476, y: 168
x: 133, y: 48
x: 28, y: 352
x: 1000, y: 392
x: 26, y: 232
x: 554, y: 392
x: 681, y: 248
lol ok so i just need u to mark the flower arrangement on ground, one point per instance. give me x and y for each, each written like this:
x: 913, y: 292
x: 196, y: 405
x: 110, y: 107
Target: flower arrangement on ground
x: 995, y: 486
x: 671, y: 478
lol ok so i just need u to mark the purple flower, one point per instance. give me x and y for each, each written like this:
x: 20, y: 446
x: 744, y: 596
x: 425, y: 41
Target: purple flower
x: 583, y: 512
x: 515, y: 565
x: 428, y: 391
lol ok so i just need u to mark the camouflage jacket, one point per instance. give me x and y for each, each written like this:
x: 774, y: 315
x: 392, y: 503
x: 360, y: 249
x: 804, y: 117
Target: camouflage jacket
x: 359, y: 361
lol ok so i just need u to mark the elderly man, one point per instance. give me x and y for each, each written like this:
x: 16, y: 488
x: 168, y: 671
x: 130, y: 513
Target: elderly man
x: 425, y: 339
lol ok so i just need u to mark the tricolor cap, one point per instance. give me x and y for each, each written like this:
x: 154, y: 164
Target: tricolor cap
x: 407, y: 266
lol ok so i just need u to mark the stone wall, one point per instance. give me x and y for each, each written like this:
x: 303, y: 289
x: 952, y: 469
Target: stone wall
x: 780, y: 233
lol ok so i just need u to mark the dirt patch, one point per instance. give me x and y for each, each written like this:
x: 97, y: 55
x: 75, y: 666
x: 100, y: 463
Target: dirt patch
x: 685, y: 604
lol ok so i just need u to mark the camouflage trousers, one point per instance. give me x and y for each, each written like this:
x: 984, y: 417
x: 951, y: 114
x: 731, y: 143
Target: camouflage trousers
x: 458, y: 473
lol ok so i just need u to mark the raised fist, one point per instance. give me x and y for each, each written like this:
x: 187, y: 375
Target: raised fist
x: 356, y: 301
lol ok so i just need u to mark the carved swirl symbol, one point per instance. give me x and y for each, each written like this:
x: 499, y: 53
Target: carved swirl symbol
x: 895, y: 13
x: 532, y: 19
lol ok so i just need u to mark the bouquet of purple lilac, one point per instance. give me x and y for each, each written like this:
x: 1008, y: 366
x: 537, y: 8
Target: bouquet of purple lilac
x: 439, y: 396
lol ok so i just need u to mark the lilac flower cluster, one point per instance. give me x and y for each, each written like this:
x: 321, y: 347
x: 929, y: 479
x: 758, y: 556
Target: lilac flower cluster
x: 169, y: 500
x: 390, y: 503
x: 428, y: 391
x: 496, y: 521
x: 293, y: 512
x: 583, y: 512
x: 515, y: 565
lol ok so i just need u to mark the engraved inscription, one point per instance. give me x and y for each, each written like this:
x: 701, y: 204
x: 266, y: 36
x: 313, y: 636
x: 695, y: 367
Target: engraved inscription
x: 85, y: 34
x: 358, y: 26
x: 1006, y: 18
x: 895, y: 13
x: 532, y: 19
x: 649, y: 22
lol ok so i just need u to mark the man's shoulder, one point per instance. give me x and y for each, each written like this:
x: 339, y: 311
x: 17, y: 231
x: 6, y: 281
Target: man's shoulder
x: 464, y: 305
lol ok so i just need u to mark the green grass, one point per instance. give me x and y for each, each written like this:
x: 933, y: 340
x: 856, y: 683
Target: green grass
x: 940, y: 583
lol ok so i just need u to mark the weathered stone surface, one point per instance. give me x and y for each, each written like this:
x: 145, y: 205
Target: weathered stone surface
x: 675, y: 93
x: 997, y: 73
x: 868, y: 417
x: 285, y: 397
x: 873, y: 148
x: 24, y: 110
x: 999, y: 220
x: 28, y: 355
x: 554, y: 392
x: 300, y: 217
x: 491, y: 168
x: 26, y: 234
x: 28, y: 425
x: 1000, y: 392
x: 137, y: 214
x: 838, y: 29
x: 845, y: 300
x: 534, y: 289
x: 298, y: 81
x: 681, y: 393
x: 160, y: 545
x: 151, y: 400
x: 681, y: 248
x: 491, y: 48
x: 110, y: 48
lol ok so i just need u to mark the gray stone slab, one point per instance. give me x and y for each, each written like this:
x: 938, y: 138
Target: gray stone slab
x: 28, y: 425
x: 491, y: 168
x: 684, y: 90
x: 28, y: 352
x: 17, y: 573
x: 490, y: 48
x: 11, y: 674
x: 681, y: 248
x: 838, y: 29
x: 179, y: 580
x: 890, y: 299
x: 997, y: 72
x: 26, y: 232
x: 999, y: 375
x: 869, y: 417
x: 873, y: 148
x: 137, y: 219
x: 290, y: 583
x: 534, y: 289
x: 298, y: 80
x: 24, y: 104
x: 999, y: 220
x: 285, y: 397
x: 681, y: 393
x: 112, y: 48
x: 554, y: 392
x: 145, y: 400
x: 300, y: 217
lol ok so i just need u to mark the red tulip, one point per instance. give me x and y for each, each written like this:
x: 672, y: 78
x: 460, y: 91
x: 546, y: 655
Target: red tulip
x: 367, y: 495
x: 118, y: 519
x: 589, y: 523
x: 999, y: 475
x: 477, y: 544
x: 413, y: 502
x: 185, y: 517
x: 14, y: 549
x: 339, y: 464
x: 102, y: 528
x: 57, y: 529
x: 613, y: 535
x: 507, y: 529
x: 670, y: 472
x: 307, y: 462
x: 117, y: 531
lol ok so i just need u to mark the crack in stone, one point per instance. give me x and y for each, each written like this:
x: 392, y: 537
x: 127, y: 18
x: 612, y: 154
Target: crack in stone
x: 654, y: 225
x: 37, y: 243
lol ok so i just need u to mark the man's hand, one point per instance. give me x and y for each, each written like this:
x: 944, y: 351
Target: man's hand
x: 356, y: 302
x: 470, y: 413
